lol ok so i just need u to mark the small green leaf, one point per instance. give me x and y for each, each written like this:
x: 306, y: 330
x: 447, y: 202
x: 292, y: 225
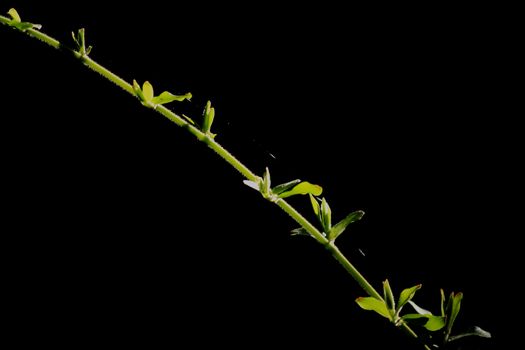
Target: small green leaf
x: 252, y: 184
x: 209, y: 116
x: 14, y: 15
x: 75, y: 38
x: 388, y: 295
x: 138, y: 91
x: 80, y: 40
x: 341, y: 226
x: 147, y: 91
x: 188, y: 119
x: 23, y: 26
x: 136, y: 86
x: 167, y: 97
x: 453, y: 312
x: 419, y: 309
x: 442, y: 302
x: 315, y: 204
x: 17, y: 21
x: 303, y: 188
x: 448, y: 306
x: 406, y: 295
x: 373, y: 304
x: 476, y: 331
x: 326, y: 216
x: 433, y: 323
x: 414, y: 316
x: 285, y: 186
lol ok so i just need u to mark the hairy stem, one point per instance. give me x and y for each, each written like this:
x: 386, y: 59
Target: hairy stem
x: 221, y: 151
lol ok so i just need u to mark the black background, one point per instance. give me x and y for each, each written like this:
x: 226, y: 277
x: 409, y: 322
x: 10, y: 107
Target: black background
x: 122, y: 229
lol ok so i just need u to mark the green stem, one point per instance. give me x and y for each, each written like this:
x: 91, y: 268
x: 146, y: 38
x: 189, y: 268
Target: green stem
x: 367, y: 287
x: 35, y: 34
x: 227, y: 156
x: 106, y: 73
x: 319, y: 237
x: 221, y: 151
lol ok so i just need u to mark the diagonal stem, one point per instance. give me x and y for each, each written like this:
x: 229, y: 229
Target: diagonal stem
x: 222, y: 152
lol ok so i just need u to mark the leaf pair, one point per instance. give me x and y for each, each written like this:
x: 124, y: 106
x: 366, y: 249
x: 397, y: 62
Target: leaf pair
x: 449, y: 312
x: 209, y: 116
x: 388, y: 307
x: 324, y: 214
x: 285, y: 190
x: 148, y: 99
x: 16, y: 21
x: 432, y: 323
x: 80, y: 40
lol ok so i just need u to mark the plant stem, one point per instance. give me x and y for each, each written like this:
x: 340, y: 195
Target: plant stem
x: 228, y: 157
x: 221, y: 151
x: 36, y: 34
x: 319, y: 237
x: 367, y: 287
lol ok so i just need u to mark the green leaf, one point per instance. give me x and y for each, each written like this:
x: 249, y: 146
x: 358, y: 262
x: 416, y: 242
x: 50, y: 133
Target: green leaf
x: 75, y: 38
x: 373, y: 304
x: 442, y: 302
x: 167, y: 97
x: 406, y: 295
x: 147, y: 91
x: 326, y: 216
x: 433, y: 323
x: 413, y: 316
x: 285, y: 186
x: 419, y: 309
x: 188, y: 119
x: 209, y: 115
x: 315, y: 204
x: 476, y: 331
x: 14, y: 15
x: 341, y: 226
x: 303, y: 188
x: 455, y: 306
x: 388, y: 295
x: 138, y: 91
x: 17, y: 21
x: 23, y: 26
x: 80, y: 40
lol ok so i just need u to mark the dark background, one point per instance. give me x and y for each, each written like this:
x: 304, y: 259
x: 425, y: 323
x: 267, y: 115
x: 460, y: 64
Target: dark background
x: 121, y: 228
